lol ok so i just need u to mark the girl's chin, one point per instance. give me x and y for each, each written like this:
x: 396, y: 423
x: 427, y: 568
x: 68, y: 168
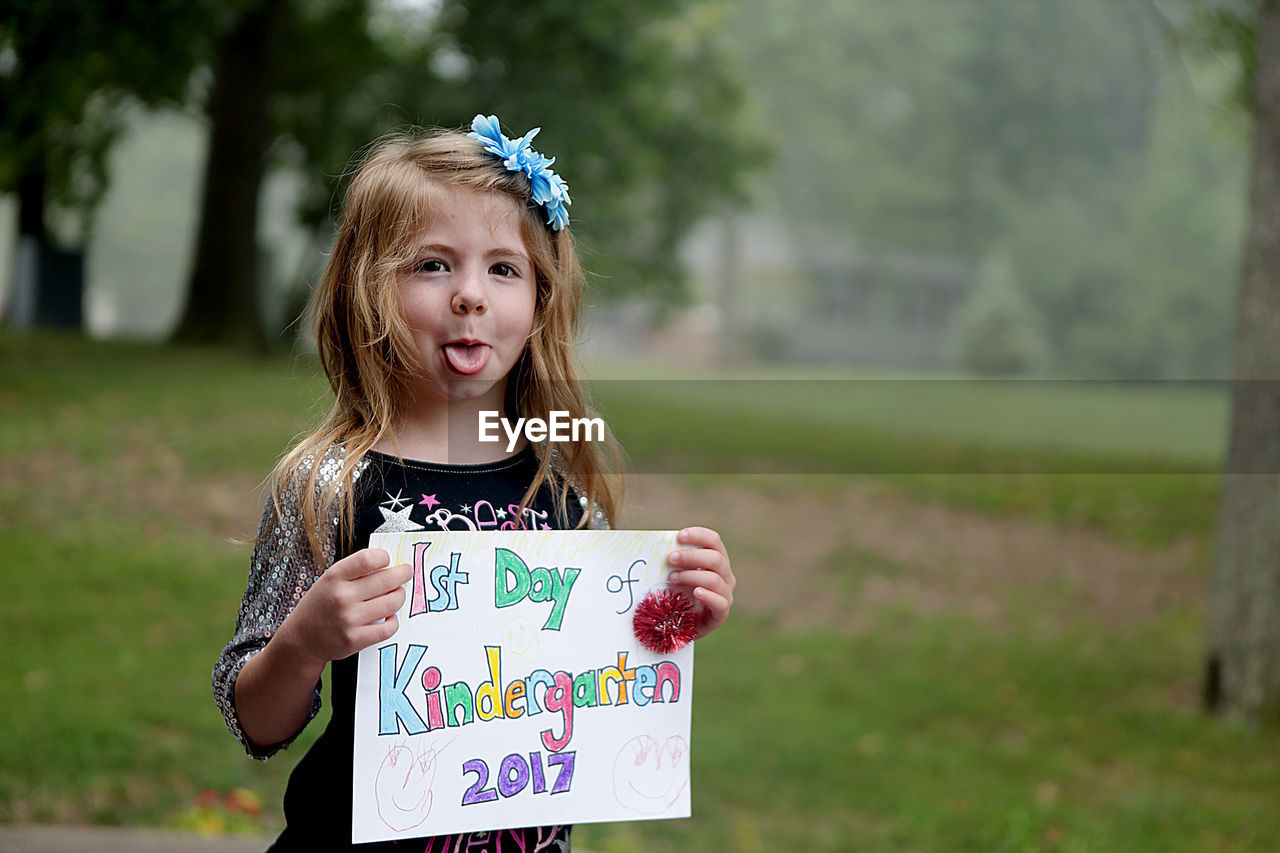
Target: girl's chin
x: 469, y: 389
x: 455, y: 389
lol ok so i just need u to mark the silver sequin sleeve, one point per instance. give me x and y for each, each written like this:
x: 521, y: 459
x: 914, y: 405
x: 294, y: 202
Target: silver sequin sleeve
x: 597, y: 520
x: 280, y: 571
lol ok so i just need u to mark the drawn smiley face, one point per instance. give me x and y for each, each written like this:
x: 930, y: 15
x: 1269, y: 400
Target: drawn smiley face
x: 649, y: 775
x: 520, y: 639
x: 402, y: 788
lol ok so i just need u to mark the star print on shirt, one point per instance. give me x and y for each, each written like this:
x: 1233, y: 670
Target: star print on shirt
x: 502, y: 513
x: 397, y: 521
x: 396, y: 502
x: 429, y: 500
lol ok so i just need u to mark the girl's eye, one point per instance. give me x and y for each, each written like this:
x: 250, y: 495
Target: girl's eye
x: 505, y: 270
x: 431, y: 265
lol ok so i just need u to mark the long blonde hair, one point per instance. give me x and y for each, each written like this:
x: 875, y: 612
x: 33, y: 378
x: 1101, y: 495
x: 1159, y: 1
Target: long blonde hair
x: 367, y: 350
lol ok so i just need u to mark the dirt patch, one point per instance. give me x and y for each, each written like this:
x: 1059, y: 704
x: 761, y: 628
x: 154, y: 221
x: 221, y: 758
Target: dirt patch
x: 146, y: 478
x: 832, y: 558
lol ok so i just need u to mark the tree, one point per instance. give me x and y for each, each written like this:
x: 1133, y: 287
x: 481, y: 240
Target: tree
x: 1242, y: 670
x: 299, y: 83
x: 222, y: 297
x: 649, y: 140
x: 919, y: 126
x: 995, y: 332
x: 640, y: 103
x: 64, y: 69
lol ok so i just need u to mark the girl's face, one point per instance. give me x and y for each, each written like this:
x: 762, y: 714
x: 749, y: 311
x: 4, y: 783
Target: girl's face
x: 469, y: 296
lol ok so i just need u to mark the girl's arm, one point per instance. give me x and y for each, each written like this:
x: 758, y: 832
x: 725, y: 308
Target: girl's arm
x: 282, y: 573
x: 351, y: 606
x: 281, y: 568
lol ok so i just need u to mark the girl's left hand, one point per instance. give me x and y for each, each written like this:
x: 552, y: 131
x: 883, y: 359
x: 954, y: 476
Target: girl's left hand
x: 705, y: 571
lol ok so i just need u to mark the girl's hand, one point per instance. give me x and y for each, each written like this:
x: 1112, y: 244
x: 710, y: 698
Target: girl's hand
x: 339, y: 615
x: 704, y: 570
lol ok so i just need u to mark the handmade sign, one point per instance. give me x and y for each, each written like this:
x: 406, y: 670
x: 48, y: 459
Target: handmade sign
x: 515, y: 693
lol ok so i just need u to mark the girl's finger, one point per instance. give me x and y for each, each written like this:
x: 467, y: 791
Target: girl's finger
x: 360, y: 563
x: 381, y: 631
x: 717, y: 609
x: 702, y: 537
x: 698, y: 558
x: 700, y: 579
x: 382, y: 581
x: 381, y: 607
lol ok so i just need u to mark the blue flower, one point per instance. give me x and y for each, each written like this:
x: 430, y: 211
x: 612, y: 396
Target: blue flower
x: 546, y: 187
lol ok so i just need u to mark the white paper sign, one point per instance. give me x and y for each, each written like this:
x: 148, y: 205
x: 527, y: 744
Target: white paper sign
x: 514, y: 692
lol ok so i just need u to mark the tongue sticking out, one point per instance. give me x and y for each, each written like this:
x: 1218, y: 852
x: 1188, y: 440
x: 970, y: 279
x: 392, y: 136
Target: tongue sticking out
x: 467, y: 359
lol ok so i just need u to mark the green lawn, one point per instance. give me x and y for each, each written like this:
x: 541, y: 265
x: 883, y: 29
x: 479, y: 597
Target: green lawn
x: 125, y: 471
x: 1184, y: 422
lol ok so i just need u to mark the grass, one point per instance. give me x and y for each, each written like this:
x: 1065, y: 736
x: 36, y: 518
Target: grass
x: 125, y: 469
x: 1135, y: 495
x: 940, y: 734
x: 1183, y: 421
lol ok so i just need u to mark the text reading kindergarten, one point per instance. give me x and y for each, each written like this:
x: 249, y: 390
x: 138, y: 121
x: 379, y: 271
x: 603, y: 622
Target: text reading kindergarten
x: 514, y: 692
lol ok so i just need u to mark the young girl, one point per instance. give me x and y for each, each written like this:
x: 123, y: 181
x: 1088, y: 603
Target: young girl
x: 454, y: 288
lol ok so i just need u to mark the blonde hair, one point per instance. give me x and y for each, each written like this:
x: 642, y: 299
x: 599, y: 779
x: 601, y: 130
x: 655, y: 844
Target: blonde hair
x: 367, y: 350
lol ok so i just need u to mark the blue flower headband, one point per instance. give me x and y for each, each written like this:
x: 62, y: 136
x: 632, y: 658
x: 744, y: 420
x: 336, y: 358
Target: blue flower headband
x: 549, y: 189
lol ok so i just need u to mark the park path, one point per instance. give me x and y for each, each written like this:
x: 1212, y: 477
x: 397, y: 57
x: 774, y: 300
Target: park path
x: 75, y: 839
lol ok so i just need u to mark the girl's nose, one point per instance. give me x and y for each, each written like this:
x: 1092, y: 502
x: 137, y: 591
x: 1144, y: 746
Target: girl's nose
x: 470, y: 296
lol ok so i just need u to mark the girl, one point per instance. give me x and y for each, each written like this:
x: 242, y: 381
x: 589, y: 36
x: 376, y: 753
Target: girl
x: 454, y: 288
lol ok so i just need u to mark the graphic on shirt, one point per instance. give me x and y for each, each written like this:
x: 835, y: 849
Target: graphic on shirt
x: 402, y: 515
x: 516, y: 661
x: 395, y: 519
x: 547, y: 839
x: 396, y: 502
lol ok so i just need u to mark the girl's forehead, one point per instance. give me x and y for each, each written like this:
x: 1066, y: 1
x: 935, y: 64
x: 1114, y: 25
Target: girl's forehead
x: 461, y: 212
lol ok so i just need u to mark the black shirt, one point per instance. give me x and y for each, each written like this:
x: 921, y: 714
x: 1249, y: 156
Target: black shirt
x: 405, y: 495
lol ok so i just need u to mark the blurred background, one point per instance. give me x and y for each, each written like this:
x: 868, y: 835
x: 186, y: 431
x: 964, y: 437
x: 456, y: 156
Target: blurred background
x: 1007, y: 187
x: 935, y: 298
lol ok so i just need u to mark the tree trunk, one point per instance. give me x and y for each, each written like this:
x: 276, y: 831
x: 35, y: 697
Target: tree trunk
x: 222, y: 305
x: 31, y: 186
x: 24, y: 293
x: 1242, y: 673
x: 47, y: 281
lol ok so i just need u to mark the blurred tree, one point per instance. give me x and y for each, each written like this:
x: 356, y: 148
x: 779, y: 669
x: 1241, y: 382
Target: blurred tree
x: 996, y: 333
x: 640, y: 102
x: 1242, y: 673
x: 65, y: 66
x: 650, y: 140
x: 222, y: 297
x: 1063, y: 132
x: 916, y: 126
x: 1135, y: 274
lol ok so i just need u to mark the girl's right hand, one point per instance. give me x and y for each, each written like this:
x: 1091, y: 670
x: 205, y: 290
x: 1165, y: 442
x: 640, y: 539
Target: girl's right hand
x: 351, y: 606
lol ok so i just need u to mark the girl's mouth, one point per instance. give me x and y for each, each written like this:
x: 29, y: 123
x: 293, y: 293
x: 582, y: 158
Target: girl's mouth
x: 466, y: 359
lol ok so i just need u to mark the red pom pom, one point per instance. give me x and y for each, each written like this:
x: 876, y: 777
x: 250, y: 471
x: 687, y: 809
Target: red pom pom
x: 664, y: 621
